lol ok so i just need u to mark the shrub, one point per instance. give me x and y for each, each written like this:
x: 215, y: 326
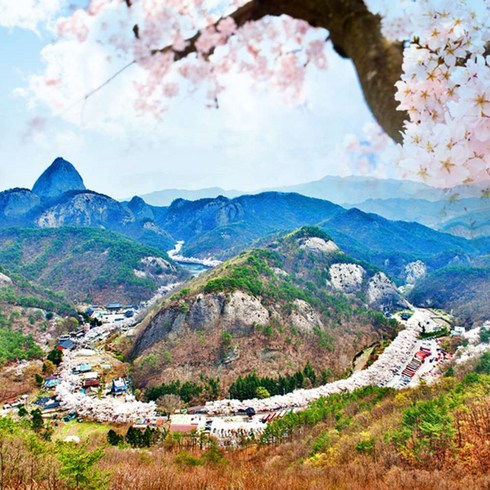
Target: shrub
x: 366, y: 446
x: 483, y: 366
x: 185, y: 458
x: 485, y: 335
x: 226, y: 339
x: 262, y: 393
x: 113, y: 438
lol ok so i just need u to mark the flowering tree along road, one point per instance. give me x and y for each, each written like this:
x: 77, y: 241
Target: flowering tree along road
x: 422, y: 64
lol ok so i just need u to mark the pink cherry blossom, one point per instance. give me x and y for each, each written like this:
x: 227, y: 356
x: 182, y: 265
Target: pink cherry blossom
x: 444, y: 86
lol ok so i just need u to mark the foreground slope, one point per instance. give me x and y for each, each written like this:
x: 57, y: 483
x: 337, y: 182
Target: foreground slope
x: 433, y: 437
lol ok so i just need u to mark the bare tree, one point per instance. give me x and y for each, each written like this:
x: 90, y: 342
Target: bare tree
x: 169, y: 403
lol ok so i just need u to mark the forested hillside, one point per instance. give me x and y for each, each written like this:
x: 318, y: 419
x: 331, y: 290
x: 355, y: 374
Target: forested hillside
x: 86, y: 264
x: 465, y: 291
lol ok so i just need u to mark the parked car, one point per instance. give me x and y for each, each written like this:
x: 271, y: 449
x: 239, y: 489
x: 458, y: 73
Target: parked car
x: 70, y: 416
x: 250, y: 411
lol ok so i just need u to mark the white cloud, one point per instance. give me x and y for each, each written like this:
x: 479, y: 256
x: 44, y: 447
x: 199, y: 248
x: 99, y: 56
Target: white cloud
x: 254, y: 140
x: 29, y: 14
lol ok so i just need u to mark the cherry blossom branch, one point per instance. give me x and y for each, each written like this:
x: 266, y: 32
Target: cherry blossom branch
x: 355, y: 33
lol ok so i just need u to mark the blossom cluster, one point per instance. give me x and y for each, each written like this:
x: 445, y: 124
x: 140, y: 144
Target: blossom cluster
x: 175, y: 48
x: 272, y: 51
x: 445, y: 89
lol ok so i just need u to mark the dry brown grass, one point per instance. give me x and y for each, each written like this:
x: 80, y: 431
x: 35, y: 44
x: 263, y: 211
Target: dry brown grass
x: 157, y: 470
x: 12, y: 386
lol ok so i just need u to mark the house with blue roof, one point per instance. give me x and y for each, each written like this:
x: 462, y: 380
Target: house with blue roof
x: 114, y: 306
x: 119, y: 386
x: 67, y: 344
x: 51, y: 382
x: 83, y: 368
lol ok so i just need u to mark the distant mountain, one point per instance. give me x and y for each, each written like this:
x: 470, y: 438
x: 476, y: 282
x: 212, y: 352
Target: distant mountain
x: 91, y: 265
x: 394, y: 244
x: 272, y: 309
x: 60, y: 177
x: 59, y: 198
x: 223, y: 227
x: 463, y: 217
x: 393, y: 199
x: 472, y: 224
x: 82, y: 208
x: 15, y: 204
x: 341, y: 190
x: 356, y: 189
x: 167, y: 196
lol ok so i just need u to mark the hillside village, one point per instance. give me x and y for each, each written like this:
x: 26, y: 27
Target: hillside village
x: 162, y: 349
x: 89, y: 383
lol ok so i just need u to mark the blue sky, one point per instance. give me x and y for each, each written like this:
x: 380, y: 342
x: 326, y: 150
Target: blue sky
x: 253, y: 141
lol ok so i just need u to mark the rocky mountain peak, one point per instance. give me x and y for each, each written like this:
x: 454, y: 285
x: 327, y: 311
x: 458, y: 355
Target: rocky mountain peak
x: 140, y: 209
x: 60, y: 177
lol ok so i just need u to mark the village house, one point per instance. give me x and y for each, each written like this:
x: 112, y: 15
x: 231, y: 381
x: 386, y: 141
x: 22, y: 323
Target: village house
x: 65, y: 344
x: 119, y: 386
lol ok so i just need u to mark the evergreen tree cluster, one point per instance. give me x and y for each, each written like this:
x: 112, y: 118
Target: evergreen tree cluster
x: 136, y: 437
x: 186, y: 391
x: 253, y: 386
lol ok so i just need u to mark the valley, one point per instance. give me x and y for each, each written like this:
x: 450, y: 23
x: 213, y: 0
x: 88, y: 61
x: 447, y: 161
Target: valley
x: 245, y: 245
x: 264, y: 282
x: 219, y: 324
x: 90, y: 351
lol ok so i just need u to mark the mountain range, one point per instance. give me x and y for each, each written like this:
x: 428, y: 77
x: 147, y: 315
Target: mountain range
x: 341, y: 190
x: 462, y: 210
x: 223, y: 227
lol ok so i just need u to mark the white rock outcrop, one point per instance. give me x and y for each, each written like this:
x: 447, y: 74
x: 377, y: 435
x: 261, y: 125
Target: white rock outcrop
x: 245, y: 310
x: 379, y: 288
x: 5, y: 280
x: 316, y: 244
x: 414, y: 271
x: 347, y: 278
x: 304, y: 317
x: 156, y: 263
